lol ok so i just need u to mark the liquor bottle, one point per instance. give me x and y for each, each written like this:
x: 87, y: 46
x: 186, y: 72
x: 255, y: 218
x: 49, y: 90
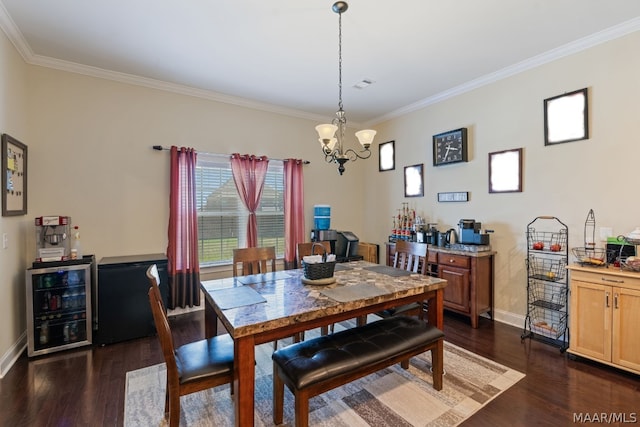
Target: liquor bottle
x: 77, y: 248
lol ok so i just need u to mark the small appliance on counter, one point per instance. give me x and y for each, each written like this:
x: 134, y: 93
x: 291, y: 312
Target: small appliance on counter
x: 53, y: 238
x: 470, y: 233
x: 325, y: 236
x: 347, y: 247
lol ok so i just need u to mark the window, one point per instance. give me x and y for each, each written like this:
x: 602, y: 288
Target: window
x: 222, y: 218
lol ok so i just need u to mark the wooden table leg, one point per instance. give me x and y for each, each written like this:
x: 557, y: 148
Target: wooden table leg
x: 244, y: 380
x: 435, y: 313
x: 210, y: 320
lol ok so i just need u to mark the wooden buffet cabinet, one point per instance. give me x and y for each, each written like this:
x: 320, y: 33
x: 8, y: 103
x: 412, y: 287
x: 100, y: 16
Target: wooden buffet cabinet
x: 604, y: 309
x: 469, y: 276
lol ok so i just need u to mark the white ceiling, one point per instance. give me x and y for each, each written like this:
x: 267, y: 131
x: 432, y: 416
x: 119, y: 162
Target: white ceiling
x: 283, y: 55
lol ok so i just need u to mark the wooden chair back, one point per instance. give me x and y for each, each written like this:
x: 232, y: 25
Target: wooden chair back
x: 254, y: 260
x: 304, y: 249
x: 411, y: 256
x: 201, y: 362
x: 161, y: 321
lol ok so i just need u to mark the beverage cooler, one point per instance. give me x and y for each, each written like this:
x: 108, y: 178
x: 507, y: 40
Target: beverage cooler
x: 59, y: 306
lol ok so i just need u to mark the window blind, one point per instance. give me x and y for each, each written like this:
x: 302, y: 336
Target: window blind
x: 222, y: 217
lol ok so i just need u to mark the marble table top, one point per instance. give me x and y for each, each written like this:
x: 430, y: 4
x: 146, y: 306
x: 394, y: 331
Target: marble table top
x: 289, y: 301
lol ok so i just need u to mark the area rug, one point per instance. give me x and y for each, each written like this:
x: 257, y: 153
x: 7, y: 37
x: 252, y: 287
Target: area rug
x: 391, y: 397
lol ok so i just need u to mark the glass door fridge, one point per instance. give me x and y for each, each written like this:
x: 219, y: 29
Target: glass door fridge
x: 58, y: 308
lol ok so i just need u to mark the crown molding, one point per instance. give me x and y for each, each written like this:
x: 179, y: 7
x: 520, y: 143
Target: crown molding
x: 576, y: 46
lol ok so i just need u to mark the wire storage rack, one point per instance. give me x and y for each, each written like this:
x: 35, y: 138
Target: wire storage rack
x: 547, y: 288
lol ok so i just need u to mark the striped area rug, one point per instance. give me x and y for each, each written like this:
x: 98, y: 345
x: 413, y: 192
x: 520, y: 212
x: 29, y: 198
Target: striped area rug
x: 392, y: 397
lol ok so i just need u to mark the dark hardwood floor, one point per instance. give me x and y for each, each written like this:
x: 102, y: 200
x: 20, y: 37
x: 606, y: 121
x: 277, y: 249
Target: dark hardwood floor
x: 86, y: 387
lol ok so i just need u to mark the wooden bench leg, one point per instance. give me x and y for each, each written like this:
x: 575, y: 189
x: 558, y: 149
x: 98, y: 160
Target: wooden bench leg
x: 278, y: 397
x: 302, y: 408
x: 404, y: 364
x: 437, y: 355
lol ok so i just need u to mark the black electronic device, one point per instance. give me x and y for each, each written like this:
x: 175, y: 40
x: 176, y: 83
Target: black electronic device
x: 346, y: 246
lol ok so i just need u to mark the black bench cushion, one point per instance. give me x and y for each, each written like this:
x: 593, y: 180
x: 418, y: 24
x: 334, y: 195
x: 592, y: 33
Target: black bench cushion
x: 213, y: 356
x: 308, y: 362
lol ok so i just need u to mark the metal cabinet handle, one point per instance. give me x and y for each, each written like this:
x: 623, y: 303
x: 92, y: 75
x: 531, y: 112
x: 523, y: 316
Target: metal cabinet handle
x: 615, y: 301
x: 604, y: 279
x: 451, y: 260
x: 606, y: 299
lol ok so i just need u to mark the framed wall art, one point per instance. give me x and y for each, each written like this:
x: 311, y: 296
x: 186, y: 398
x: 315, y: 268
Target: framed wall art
x: 14, y: 177
x: 387, y: 156
x: 414, y: 181
x: 505, y: 171
x: 566, y: 117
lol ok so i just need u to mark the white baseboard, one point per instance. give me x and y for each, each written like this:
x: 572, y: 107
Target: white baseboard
x: 516, y: 320
x: 10, y: 357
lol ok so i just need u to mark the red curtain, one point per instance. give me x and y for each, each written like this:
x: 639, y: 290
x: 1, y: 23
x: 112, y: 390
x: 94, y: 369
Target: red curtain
x: 182, y: 251
x: 248, y: 173
x: 293, y: 209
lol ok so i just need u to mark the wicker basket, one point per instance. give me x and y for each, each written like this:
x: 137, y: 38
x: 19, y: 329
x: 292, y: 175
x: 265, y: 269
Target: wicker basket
x: 322, y: 270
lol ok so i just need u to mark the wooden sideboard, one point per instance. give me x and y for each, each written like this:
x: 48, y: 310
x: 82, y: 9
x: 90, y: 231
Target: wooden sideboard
x: 469, y: 276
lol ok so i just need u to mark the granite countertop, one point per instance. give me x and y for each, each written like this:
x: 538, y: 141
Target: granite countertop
x: 289, y: 301
x: 442, y: 249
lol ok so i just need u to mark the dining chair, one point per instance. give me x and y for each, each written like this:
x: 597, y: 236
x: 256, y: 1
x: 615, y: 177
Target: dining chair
x: 306, y: 249
x: 192, y: 367
x: 258, y: 260
x: 409, y: 256
x: 254, y: 260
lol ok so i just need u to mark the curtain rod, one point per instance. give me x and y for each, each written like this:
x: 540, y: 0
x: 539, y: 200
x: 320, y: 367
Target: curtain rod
x: 161, y: 148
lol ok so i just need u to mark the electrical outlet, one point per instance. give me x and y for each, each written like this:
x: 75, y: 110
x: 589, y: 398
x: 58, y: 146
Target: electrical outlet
x: 605, y: 232
x: 5, y: 241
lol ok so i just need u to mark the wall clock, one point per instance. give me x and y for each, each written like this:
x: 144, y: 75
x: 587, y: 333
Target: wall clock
x: 450, y: 147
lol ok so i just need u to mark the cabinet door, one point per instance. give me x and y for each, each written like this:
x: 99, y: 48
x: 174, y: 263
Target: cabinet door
x: 590, y: 320
x: 626, y: 318
x: 456, y: 293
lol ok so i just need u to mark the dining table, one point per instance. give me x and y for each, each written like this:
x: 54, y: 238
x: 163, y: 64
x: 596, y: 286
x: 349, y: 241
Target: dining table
x: 261, y: 308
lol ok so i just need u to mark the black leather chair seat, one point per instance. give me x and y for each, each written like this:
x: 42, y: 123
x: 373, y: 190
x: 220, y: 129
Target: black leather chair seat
x: 205, y: 358
x: 325, y: 357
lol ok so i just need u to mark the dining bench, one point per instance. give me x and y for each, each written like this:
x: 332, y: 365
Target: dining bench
x: 314, y: 366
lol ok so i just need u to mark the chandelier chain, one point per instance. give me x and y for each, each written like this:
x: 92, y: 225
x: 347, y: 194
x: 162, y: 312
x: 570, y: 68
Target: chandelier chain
x: 340, y: 61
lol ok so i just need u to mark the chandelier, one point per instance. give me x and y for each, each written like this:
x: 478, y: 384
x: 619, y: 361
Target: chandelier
x: 332, y: 134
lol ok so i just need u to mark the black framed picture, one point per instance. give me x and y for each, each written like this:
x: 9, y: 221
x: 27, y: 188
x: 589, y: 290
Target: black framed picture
x: 387, y: 156
x: 566, y: 117
x: 414, y: 181
x: 505, y: 171
x: 14, y: 177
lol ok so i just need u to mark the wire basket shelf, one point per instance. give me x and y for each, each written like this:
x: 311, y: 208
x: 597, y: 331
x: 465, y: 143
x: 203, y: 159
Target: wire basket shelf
x: 548, y: 269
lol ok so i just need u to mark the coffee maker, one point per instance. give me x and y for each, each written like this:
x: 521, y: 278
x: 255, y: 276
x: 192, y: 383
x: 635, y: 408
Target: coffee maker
x: 469, y: 232
x: 431, y: 234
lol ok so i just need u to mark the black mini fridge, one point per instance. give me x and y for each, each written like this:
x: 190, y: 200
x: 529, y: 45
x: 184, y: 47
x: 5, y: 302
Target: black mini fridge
x: 122, y: 297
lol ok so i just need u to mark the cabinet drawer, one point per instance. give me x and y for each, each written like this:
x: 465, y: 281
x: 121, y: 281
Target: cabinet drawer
x: 454, y: 260
x: 607, y: 278
x: 432, y: 257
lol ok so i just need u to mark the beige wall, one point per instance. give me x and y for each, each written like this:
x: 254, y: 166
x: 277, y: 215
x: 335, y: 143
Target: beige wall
x: 564, y: 181
x: 13, y: 121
